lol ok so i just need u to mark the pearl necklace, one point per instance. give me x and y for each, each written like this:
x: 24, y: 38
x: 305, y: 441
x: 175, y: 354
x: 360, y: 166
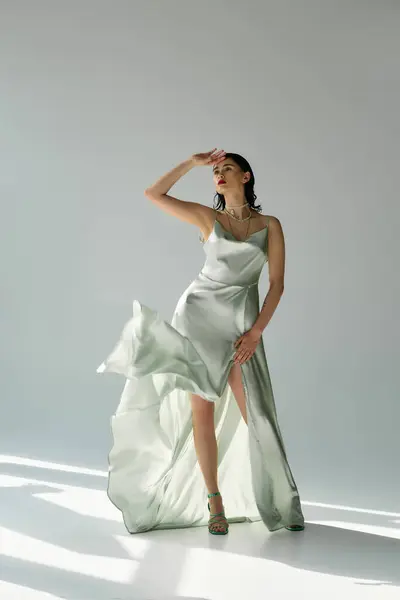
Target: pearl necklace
x: 231, y: 213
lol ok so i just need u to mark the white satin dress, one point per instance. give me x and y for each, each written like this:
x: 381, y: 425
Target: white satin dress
x: 154, y: 476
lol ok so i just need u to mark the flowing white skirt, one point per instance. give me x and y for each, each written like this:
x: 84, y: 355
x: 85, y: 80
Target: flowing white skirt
x: 154, y: 476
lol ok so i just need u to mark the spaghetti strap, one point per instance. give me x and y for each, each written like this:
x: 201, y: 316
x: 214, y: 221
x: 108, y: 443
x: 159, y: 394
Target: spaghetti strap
x: 266, y: 245
x: 215, y: 214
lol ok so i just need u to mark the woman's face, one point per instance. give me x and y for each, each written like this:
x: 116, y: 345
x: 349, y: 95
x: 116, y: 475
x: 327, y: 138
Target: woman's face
x: 229, y: 176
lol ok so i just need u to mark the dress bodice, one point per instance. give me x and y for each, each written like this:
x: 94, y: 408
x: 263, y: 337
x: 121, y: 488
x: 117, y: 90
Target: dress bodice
x: 233, y: 261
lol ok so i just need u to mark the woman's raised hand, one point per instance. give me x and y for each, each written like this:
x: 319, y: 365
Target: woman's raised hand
x: 208, y: 158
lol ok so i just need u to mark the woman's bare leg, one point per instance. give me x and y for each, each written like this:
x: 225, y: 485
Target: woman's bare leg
x: 236, y: 383
x: 207, y: 451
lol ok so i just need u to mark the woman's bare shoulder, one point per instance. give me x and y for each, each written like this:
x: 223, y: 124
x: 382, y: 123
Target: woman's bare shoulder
x: 273, y: 223
x: 208, y: 219
x: 263, y: 220
x: 272, y: 219
x: 210, y: 214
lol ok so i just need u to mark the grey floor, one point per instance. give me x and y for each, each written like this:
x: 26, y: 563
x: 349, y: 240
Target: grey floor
x: 60, y: 537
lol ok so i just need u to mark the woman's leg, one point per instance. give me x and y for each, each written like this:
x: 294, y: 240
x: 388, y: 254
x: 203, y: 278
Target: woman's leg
x: 207, y: 452
x: 236, y: 383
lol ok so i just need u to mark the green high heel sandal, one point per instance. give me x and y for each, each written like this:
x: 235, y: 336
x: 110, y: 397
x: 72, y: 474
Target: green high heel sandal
x: 215, y: 519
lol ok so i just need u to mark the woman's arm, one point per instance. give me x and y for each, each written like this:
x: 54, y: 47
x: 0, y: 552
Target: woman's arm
x: 162, y: 186
x: 276, y: 262
x: 191, y: 212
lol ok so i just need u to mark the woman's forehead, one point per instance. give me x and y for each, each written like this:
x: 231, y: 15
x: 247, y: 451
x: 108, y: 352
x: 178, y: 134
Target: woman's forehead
x: 225, y: 163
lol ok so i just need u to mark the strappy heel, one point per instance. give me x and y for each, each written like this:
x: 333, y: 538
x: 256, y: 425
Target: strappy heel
x: 216, y: 519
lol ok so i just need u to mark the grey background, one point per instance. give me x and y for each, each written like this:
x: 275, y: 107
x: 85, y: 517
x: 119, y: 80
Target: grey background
x: 99, y: 99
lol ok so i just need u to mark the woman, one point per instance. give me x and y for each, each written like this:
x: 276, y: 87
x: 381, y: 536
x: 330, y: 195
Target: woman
x: 178, y: 431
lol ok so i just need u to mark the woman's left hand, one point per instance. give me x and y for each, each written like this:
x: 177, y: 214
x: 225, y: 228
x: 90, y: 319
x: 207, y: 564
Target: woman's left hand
x: 246, y: 345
